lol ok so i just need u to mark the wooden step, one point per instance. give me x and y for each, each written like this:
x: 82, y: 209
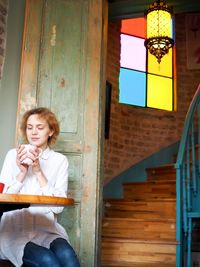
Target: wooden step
x: 162, y: 173
x: 196, y: 153
x: 163, y: 229
x: 125, y: 264
x: 146, y: 190
x: 140, y: 209
x: 163, y: 169
x: 127, y: 252
x: 139, y: 230
x: 154, y: 182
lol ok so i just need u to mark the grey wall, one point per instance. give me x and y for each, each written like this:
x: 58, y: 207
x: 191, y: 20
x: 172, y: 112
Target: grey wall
x: 10, y: 80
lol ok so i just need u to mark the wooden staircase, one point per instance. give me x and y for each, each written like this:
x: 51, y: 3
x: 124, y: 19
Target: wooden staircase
x: 140, y: 229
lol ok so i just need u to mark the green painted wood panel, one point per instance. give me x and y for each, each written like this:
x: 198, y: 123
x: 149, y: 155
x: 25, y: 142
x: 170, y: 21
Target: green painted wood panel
x: 63, y: 69
x: 60, y: 63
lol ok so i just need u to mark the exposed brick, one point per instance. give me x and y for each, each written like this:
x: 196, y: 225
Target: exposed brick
x: 136, y: 133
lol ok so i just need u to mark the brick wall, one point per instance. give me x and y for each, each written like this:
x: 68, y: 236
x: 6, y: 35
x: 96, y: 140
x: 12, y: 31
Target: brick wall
x: 136, y: 133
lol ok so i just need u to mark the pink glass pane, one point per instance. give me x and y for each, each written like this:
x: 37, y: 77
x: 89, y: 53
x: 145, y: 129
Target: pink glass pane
x: 133, y: 53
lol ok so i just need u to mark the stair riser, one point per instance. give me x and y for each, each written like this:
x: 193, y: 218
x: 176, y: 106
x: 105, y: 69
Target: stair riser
x: 141, y: 253
x: 144, y: 191
x: 141, y: 210
x: 137, y: 215
x: 161, y: 171
x: 143, y: 196
x: 168, y: 236
x: 147, y: 188
x: 138, y: 228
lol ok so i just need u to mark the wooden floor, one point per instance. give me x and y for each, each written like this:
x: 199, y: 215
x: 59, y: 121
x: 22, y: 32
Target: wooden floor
x: 139, y: 230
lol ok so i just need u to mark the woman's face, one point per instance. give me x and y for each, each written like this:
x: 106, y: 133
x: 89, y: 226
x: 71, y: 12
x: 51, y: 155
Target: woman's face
x: 38, y: 131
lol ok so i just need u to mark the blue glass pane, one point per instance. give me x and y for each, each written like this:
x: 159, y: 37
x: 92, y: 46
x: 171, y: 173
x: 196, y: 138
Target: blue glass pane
x: 132, y: 86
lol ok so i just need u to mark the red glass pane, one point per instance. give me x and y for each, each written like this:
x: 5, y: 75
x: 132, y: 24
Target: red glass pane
x: 136, y: 27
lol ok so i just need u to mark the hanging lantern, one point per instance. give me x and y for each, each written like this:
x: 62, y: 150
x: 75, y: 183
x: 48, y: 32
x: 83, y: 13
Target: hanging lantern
x: 159, y: 29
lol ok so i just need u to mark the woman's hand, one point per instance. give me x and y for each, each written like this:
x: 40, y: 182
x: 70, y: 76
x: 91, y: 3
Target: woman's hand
x: 33, y: 154
x: 36, y: 163
x: 21, y: 155
x: 36, y: 168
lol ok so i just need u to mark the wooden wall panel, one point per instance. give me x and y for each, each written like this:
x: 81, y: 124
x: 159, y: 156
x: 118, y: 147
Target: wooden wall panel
x: 62, y: 68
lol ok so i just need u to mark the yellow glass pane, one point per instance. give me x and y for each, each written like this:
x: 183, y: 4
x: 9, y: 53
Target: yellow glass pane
x: 165, y: 66
x: 159, y: 23
x: 159, y: 92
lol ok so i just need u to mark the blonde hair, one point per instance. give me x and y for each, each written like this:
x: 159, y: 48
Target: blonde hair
x: 45, y: 114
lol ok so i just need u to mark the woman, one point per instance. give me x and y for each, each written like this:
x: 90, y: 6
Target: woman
x: 32, y: 236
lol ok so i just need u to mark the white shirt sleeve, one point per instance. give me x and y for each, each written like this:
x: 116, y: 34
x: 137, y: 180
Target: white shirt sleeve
x: 8, y: 174
x: 55, y: 168
x: 60, y: 187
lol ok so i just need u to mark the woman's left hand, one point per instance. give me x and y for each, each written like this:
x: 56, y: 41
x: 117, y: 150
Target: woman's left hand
x: 37, y: 170
x: 36, y: 163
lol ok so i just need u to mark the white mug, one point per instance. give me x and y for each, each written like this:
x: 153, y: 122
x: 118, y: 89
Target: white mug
x: 28, y: 147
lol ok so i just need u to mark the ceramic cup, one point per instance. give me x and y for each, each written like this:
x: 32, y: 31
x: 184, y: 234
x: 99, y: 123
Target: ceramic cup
x: 28, y: 147
x: 1, y: 187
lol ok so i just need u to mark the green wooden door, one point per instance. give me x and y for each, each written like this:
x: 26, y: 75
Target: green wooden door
x: 62, y: 69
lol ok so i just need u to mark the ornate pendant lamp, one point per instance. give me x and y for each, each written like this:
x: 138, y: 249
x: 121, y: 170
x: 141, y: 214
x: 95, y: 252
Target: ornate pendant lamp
x: 159, y: 29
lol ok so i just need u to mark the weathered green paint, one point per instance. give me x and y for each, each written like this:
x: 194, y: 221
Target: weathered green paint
x: 30, y: 57
x: 70, y: 220
x: 62, y: 69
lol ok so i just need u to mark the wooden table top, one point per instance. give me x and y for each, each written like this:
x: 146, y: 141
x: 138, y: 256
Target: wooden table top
x: 35, y: 199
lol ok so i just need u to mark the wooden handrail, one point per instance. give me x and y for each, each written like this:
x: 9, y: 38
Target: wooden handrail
x: 35, y: 199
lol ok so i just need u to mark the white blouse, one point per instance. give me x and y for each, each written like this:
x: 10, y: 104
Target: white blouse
x: 36, y: 223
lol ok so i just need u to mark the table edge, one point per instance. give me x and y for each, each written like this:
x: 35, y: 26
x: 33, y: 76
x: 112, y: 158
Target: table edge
x: 35, y: 199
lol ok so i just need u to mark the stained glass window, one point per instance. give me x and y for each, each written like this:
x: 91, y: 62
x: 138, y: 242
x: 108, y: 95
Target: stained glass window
x: 143, y: 81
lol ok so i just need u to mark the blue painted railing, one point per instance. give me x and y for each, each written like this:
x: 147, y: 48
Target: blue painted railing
x: 187, y: 186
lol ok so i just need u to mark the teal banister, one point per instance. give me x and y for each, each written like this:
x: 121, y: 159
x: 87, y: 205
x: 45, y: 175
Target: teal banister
x: 189, y: 241
x: 198, y: 112
x: 184, y: 177
x: 178, y: 219
x: 194, y: 179
x: 183, y: 182
x: 188, y: 120
x: 188, y: 184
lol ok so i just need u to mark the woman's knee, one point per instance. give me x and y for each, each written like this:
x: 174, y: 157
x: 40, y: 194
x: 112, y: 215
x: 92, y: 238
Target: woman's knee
x: 64, y: 251
x: 60, y: 244
x: 47, y: 258
x: 35, y: 255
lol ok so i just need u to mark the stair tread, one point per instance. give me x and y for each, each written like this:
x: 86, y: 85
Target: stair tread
x: 151, y: 182
x: 129, y: 201
x: 131, y: 240
x: 139, y: 219
x: 163, y: 167
x: 125, y: 264
x: 150, y: 197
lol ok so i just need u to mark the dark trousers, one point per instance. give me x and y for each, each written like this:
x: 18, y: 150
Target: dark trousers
x: 59, y: 254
